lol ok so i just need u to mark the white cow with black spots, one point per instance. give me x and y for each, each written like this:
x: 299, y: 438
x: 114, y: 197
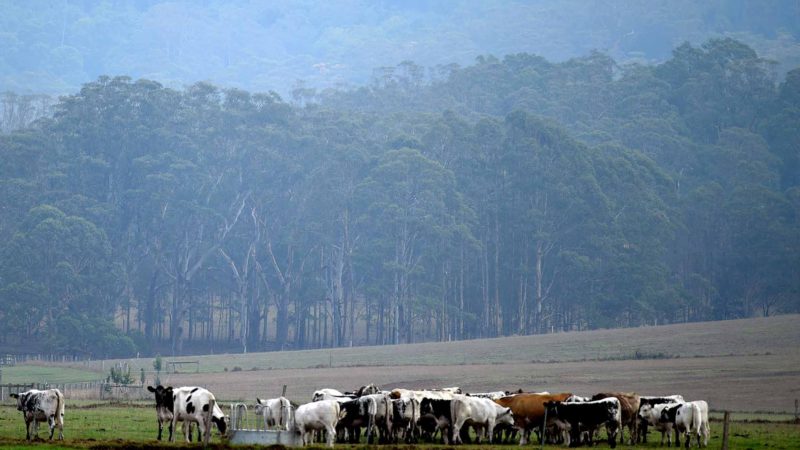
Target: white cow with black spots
x: 42, y: 406
x: 197, y: 405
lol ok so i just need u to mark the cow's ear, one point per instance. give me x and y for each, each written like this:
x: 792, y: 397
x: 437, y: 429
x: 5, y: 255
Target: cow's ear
x: 168, y: 388
x: 151, y: 388
x: 14, y: 395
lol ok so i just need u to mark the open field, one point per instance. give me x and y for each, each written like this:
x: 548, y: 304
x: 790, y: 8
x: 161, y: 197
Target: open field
x: 127, y: 426
x: 778, y: 335
x: 747, y: 365
x: 751, y: 367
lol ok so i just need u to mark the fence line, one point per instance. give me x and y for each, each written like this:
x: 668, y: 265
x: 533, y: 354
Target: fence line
x: 88, y: 390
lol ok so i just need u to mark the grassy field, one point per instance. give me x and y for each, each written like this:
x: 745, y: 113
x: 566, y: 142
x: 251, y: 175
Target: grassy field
x: 48, y: 374
x: 91, y: 424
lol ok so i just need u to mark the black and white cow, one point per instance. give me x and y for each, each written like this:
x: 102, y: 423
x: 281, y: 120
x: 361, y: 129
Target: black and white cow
x: 436, y: 415
x: 690, y: 418
x: 652, y: 416
x: 578, y: 417
x: 197, y: 405
x: 650, y: 400
x: 405, y: 415
x: 40, y: 406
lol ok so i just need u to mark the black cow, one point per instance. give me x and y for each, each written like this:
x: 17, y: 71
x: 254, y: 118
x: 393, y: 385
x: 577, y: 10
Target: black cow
x: 437, y: 413
x: 578, y: 417
x: 355, y: 418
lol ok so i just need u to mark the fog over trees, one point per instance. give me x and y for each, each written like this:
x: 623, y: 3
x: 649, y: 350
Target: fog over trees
x: 512, y: 194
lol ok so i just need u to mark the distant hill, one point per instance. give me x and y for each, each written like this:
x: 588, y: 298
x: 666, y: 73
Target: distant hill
x: 54, y: 47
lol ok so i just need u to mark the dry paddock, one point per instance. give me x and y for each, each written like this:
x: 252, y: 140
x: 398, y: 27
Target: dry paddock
x: 738, y: 383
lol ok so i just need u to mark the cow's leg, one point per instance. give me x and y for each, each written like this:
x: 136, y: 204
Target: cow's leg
x: 331, y: 433
x: 51, y: 422
x: 160, y: 429
x: 28, y: 430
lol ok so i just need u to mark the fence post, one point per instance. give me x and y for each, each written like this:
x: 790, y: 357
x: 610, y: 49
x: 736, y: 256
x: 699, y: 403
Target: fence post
x: 725, y: 426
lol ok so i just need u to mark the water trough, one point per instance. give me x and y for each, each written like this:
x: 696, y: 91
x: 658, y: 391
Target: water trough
x: 246, y: 431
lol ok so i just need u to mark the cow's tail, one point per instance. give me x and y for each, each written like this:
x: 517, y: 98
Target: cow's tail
x: 453, y: 420
x: 286, y: 411
x: 59, y: 419
x: 389, y: 413
x: 697, y: 419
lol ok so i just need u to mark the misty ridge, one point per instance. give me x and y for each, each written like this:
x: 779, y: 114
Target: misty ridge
x: 326, y: 190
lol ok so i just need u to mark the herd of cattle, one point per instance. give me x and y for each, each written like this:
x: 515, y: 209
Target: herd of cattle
x: 414, y: 415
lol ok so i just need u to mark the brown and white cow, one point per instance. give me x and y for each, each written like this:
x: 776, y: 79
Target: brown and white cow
x: 528, y: 410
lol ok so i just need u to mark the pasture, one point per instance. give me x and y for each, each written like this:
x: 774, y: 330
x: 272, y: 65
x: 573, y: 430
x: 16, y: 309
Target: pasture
x: 107, y: 425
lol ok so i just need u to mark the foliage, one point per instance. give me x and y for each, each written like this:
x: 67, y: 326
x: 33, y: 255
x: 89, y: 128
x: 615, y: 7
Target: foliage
x: 512, y: 196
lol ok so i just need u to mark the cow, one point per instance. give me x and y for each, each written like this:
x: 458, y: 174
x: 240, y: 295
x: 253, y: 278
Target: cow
x: 164, y: 407
x: 39, y: 406
x: 689, y: 418
x: 528, y: 410
x: 277, y: 412
x: 365, y: 390
x: 648, y: 400
x: 420, y: 395
x: 321, y: 415
x: 629, y: 401
x: 379, y: 408
x: 577, y: 417
x: 405, y: 415
x: 480, y: 413
x: 332, y: 394
x: 651, y: 415
x: 436, y: 412
x: 196, y: 405
x: 355, y: 417
x: 490, y: 395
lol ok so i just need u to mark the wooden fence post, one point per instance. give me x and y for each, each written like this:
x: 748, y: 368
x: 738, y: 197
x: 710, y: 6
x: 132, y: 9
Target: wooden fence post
x: 725, y: 427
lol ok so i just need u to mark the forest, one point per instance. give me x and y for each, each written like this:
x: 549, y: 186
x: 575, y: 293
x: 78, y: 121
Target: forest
x: 515, y: 195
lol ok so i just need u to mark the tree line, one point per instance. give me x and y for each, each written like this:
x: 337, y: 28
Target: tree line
x: 513, y: 196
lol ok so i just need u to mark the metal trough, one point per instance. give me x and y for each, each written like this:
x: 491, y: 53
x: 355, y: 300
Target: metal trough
x: 243, y: 432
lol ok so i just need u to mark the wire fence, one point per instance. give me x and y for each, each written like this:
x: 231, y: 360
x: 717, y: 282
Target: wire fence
x: 87, y: 390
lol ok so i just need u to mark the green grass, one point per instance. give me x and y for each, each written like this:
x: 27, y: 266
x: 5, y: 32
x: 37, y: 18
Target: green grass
x: 47, y: 374
x: 93, y: 424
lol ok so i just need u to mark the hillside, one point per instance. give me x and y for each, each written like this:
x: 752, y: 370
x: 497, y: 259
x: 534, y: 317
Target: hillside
x: 727, y: 363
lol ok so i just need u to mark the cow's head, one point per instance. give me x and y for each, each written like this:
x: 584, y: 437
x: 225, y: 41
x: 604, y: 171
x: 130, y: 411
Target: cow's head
x: 21, y: 398
x: 221, y: 423
x: 551, y: 408
x: 505, y: 416
x: 163, y: 396
x: 645, y: 411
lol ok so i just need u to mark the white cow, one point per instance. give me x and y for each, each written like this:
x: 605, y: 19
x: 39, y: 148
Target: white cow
x: 277, y: 412
x: 331, y: 394
x: 689, y: 418
x: 652, y: 415
x: 40, y: 406
x: 317, y: 416
x: 197, y: 405
x: 490, y: 395
x: 480, y: 413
